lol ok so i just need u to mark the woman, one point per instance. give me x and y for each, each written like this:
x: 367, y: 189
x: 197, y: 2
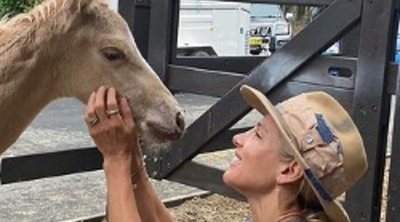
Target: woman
x: 291, y: 166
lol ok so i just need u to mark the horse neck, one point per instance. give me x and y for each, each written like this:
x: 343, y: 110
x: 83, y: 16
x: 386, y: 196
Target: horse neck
x: 29, y: 59
x: 25, y: 88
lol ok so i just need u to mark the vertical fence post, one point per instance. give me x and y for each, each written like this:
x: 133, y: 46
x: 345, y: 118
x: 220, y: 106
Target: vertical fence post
x: 137, y: 15
x: 371, y: 105
x: 161, y: 26
x: 393, y: 206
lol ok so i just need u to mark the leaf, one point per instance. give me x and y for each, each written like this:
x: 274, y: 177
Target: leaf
x: 14, y: 7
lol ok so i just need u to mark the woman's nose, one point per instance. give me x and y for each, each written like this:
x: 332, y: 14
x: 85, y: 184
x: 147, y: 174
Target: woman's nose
x: 236, y: 140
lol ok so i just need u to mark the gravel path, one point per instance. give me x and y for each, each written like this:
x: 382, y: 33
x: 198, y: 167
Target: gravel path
x: 212, y: 208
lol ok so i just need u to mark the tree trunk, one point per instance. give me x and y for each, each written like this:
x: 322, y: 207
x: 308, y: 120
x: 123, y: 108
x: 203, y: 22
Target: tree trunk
x: 302, y: 16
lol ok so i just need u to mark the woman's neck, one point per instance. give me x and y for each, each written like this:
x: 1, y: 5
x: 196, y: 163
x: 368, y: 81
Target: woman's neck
x: 277, y: 205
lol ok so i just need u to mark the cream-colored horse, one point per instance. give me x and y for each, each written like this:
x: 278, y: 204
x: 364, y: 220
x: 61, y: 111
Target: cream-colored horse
x: 68, y: 48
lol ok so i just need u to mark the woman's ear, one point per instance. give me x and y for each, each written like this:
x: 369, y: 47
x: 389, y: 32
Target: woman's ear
x: 289, y: 173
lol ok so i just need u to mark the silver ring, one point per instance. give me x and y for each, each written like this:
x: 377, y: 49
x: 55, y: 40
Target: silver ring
x: 110, y: 113
x: 93, y: 121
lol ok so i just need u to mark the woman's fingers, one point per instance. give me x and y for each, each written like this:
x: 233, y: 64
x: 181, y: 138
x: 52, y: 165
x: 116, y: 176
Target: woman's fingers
x: 103, y: 106
x: 113, y: 135
x: 126, y: 112
x: 90, y: 114
x: 112, y: 104
x: 100, y: 106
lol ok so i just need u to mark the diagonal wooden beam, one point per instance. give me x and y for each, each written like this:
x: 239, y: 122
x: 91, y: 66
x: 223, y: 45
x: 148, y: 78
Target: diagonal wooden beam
x: 204, y: 177
x: 273, y: 71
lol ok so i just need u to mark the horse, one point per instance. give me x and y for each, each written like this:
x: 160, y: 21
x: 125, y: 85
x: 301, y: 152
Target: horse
x: 69, y: 48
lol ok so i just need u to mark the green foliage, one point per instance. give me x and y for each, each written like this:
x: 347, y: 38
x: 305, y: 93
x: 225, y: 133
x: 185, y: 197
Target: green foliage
x: 13, y: 7
x: 302, y: 15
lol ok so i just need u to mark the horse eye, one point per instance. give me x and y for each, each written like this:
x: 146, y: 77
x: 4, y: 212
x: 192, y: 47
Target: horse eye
x: 113, y: 54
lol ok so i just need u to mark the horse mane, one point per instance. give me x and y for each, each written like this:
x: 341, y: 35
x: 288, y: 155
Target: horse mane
x: 50, y: 8
x: 21, y: 35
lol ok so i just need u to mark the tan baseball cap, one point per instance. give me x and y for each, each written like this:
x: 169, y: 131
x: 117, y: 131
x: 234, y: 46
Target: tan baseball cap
x: 323, y: 139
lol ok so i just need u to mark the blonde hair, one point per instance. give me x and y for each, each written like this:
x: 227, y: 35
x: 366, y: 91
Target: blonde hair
x: 306, y: 199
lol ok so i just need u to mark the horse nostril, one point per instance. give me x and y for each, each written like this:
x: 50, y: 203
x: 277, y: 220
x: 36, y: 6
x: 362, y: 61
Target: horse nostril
x: 180, y: 121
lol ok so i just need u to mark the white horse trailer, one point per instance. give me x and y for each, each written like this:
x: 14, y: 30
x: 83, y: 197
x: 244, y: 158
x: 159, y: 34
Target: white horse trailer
x: 213, y: 28
x: 113, y: 4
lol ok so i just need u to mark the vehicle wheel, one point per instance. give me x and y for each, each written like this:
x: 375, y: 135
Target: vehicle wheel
x: 199, y: 54
x: 255, y: 50
x: 272, y: 44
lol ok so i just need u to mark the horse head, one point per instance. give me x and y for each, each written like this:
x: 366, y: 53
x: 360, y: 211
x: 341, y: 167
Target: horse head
x: 69, y: 48
x: 95, y: 47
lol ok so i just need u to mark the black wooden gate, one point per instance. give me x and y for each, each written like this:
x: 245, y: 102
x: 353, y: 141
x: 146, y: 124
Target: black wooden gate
x: 366, y: 28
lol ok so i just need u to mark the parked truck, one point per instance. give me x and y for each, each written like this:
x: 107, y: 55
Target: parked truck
x: 209, y: 28
x: 113, y: 4
x: 215, y: 28
x: 270, y: 28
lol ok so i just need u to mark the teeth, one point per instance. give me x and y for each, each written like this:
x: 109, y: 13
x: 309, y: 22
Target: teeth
x: 235, y: 159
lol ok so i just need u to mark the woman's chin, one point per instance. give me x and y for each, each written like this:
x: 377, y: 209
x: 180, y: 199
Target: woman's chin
x: 225, y: 177
x: 228, y: 177
x: 234, y: 165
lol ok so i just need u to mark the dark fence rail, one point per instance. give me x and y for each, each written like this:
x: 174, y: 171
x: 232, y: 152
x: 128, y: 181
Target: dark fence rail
x: 289, y: 2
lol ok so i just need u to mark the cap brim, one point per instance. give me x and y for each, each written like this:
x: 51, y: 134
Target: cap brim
x: 333, y: 209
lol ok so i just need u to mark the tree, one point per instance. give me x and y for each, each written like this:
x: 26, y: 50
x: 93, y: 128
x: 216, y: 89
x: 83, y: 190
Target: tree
x: 302, y: 15
x: 13, y: 7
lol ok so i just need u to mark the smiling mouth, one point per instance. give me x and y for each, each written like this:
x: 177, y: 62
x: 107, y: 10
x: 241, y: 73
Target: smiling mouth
x: 235, y: 160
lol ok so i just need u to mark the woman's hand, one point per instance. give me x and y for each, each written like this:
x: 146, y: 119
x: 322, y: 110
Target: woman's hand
x: 111, y: 125
x: 112, y: 128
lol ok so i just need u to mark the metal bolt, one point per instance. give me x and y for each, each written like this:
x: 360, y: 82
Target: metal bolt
x: 374, y: 108
x: 155, y: 159
x: 309, y: 139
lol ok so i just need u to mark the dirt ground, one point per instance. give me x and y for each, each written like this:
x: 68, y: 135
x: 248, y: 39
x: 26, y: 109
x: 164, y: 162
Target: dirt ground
x: 211, y: 208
